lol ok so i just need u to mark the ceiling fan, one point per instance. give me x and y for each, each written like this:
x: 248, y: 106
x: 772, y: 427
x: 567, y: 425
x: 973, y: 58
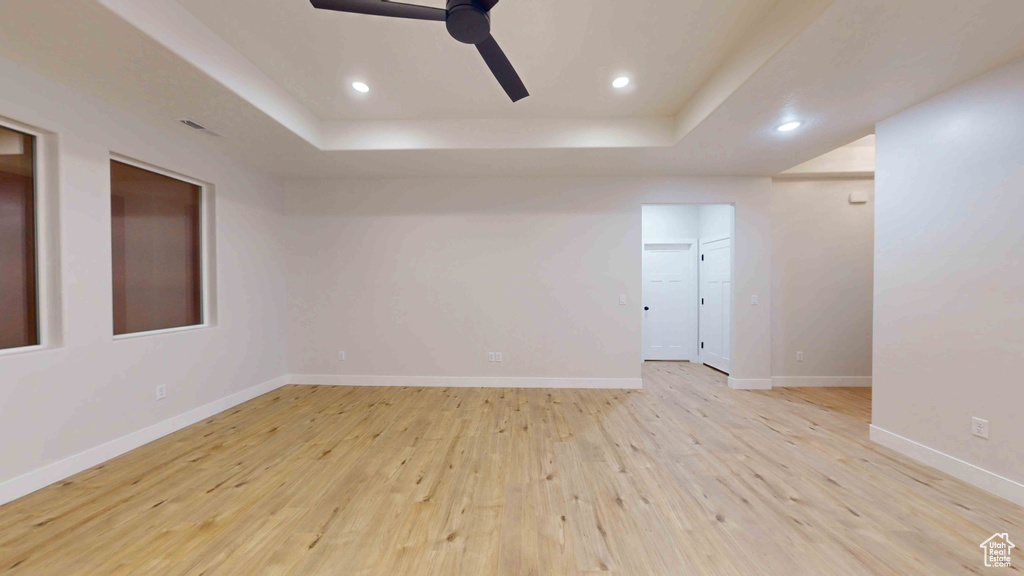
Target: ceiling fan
x: 468, y: 21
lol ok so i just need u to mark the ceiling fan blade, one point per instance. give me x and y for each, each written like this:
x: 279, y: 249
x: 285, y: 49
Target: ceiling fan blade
x: 502, y: 69
x: 487, y: 4
x: 383, y: 8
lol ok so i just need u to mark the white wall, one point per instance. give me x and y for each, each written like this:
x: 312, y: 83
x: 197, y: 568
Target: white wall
x: 89, y: 389
x: 424, y: 277
x: 822, y: 274
x: 949, y: 280
x: 670, y: 222
x: 674, y: 221
x: 716, y: 220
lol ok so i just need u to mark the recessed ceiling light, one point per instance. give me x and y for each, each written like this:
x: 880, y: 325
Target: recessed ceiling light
x: 621, y: 82
x: 789, y: 126
x: 360, y: 87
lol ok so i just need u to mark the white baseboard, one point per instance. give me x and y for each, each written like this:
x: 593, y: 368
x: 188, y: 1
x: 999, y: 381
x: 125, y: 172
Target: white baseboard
x: 40, y: 478
x: 466, y: 381
x: 750, y: 383
x: 989, y: 481
x: 800, y: 382
x: 821, y: 381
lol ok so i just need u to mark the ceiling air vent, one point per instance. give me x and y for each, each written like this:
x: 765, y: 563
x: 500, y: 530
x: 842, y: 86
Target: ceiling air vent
x: 197, y: 126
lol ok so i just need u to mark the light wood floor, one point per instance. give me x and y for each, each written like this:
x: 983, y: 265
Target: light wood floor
x: 685, y: 477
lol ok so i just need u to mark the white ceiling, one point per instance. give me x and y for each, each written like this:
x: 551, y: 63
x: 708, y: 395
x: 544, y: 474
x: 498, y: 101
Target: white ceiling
x: 843, y: 66
x: 566, y: 51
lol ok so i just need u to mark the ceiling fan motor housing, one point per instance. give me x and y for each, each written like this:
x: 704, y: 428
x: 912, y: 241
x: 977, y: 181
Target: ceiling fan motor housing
x: 467, y: 22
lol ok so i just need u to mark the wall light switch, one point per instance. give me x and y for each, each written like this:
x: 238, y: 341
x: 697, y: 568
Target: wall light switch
x: 859, y: 197
x: 161, y: 392
x: 754, y: 300
x: 622, y: 300
x: 499, y: 357
x: 341, y: 356
x: 799, y: 356
x: 979, y: 427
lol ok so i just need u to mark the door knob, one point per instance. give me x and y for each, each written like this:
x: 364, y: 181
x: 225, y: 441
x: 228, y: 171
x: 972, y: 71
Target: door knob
x: 647, y: 307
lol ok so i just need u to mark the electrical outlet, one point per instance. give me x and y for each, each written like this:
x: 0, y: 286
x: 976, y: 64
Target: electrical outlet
x: 499, y: 357
x: 754, y: 300
x: 490, y: 356
x: 799, y: 356
x: 341, y: 356
x: 161, y: 392
x: 979, y: 428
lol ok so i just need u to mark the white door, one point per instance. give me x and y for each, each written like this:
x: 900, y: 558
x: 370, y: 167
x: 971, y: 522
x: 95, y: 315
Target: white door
x: 716, y: 302
x: 669, y: 302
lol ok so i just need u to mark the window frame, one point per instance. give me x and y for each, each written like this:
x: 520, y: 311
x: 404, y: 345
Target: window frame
x: 206, y: 233
x: 45, y: 244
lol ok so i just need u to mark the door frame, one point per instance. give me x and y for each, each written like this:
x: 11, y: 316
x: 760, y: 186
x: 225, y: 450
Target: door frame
x: 695, y: 310
x: 732, y: 289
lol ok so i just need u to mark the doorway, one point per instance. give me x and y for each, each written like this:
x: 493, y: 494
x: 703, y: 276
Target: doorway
x: 687, y: 283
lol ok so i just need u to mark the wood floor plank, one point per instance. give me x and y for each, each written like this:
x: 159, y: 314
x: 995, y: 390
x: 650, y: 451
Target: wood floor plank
x: 683, y: 477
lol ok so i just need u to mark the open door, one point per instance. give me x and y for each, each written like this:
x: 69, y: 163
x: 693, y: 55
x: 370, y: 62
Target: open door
x: 716, y: 302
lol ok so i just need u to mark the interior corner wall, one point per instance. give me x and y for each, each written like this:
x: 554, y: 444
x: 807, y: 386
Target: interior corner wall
x: 90, y: 397
x: 822, y: 282
x: 422, y: 278
x: 949, y: 281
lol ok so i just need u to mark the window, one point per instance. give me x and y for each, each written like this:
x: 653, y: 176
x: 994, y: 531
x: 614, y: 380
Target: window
x: 157, y: 250
x: 19, y: 311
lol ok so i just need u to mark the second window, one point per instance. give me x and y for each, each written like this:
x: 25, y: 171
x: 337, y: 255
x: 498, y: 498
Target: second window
x: 157, y: 250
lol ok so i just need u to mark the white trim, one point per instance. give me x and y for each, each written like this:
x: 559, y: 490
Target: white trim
x: 23, y: 350
x: 989, y: 481
x: 663, y: 241
x: 131, y: 335
x: 465, y: 381
x: 750, y: 383
x: 142, y: 164
x: 821, y: 381
x: 40, y: 478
